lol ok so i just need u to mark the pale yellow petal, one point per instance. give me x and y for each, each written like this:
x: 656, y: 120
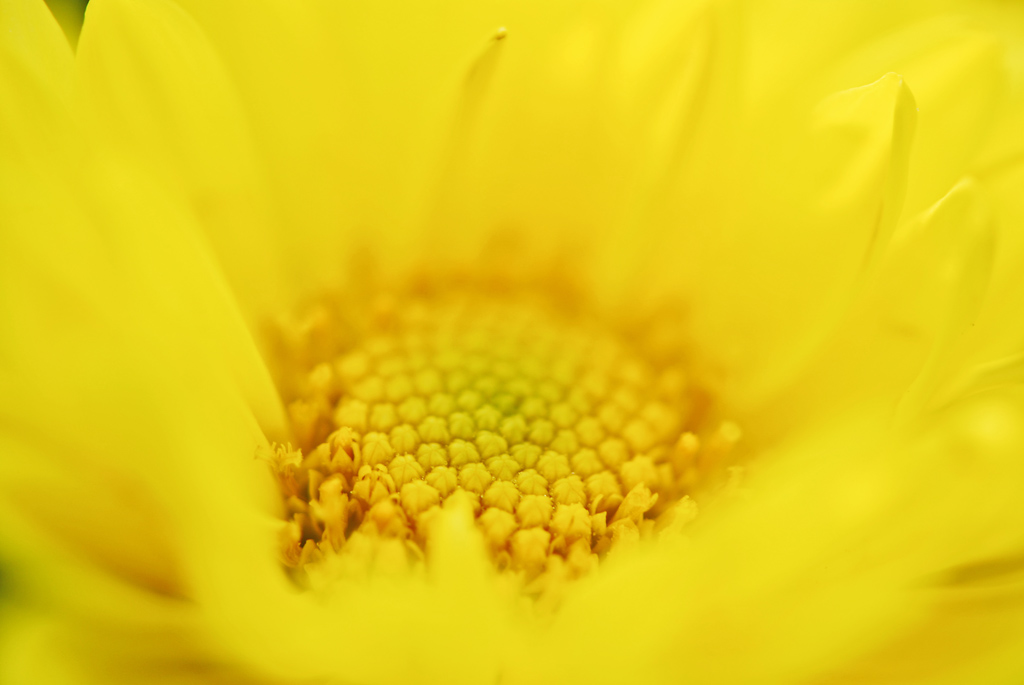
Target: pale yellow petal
x: 153, y: 91
x: 774, y: 243
x: 971, y: 634
x: 131, y: 384
x: 1006, y: 21
x: 898, y: 342
x: 957, y: 75
x: 999, y: 331
x: 36, y: 78
x: 353, y: 110
x: 584, y: 115
x: 33, y: 37
x: 795, y: 43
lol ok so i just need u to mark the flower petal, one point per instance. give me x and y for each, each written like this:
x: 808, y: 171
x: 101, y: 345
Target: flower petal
x: 798, y: 209
x: 352, y: 108
x: 33, y: 37
x: 999, y: 332
x: 131, y: 383
x: 898, y: 342
x: 588, y: 118
x: 958, y: 76
x: 151, y: 89
x: 37, y: 71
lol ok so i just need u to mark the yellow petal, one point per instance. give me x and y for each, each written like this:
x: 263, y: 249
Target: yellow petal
x: 525, y: 174
x: 959, y: 264
x: 1005, y: 21
x: 34, y: 39
x: 970, y: 635
x: 345, y: 101
x: 36, y: 80
x: 958, y: 76
x: 152, y: 90
x: 957, y: 87
x: 898, y: 341
x: 771, y: 248
x: 999, y: 332
x: 130, y: 378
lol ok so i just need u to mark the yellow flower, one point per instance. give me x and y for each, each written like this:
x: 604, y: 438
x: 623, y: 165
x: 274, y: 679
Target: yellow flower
x: 787, y: 235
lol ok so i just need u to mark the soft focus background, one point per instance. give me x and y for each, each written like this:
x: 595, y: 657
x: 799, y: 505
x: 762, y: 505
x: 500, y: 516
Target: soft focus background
x: 69, y: 14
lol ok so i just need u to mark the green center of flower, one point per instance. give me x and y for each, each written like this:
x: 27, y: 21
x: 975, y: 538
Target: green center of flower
x: 566, y: 441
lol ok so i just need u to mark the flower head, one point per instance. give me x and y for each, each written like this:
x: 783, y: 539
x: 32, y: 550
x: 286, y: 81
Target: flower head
x: 465, y: 342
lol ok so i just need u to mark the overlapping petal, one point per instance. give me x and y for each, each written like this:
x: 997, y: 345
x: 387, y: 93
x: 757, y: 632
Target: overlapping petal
x: 127, y: 367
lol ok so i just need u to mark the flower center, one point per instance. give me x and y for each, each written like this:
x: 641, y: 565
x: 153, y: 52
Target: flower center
x: 567, y: 441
